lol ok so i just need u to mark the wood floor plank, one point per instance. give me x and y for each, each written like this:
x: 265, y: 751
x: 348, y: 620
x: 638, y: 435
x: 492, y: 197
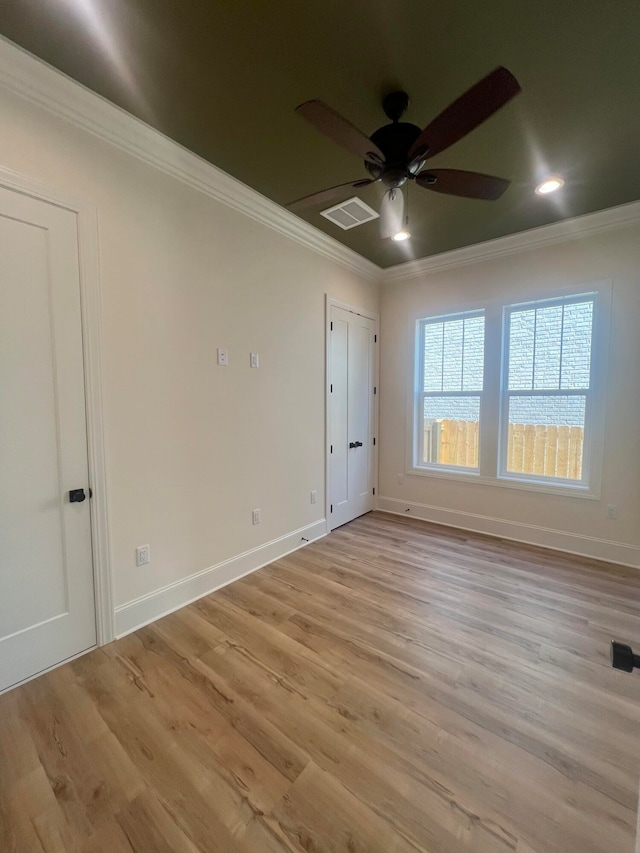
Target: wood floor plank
x: 449, y: 744
x: 321, y: 815
x: 412, y: 802
x: 396, y: 687
x: 112, y: 837
x: 149, y: 828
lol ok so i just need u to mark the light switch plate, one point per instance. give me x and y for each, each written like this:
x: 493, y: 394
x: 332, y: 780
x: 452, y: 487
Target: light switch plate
x: 254, y: 359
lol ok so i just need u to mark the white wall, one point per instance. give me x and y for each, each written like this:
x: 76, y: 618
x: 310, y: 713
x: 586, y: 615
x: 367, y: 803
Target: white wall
x: 572, y: 523
x: 193, y: 447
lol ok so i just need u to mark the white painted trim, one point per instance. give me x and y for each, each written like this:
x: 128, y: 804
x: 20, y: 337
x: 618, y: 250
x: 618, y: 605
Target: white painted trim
x: 545, y: 235
x: 48, y: 669
x: 92, y: 344
x: 502, y: 481
x: 361, y: 312
x: 490, y: 471
x: 31, y: 78
x: 531, y: 534
x: 638, y: 828
x: 87, y: 224
x: 370, y: 315
x: 141, y: 611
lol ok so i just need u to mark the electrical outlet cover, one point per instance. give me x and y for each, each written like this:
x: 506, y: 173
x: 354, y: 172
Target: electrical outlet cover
x: 143, y: 555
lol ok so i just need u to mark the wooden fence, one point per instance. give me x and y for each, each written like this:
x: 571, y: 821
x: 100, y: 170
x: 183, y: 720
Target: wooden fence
x: 552, y: 451
x: 451, y: 442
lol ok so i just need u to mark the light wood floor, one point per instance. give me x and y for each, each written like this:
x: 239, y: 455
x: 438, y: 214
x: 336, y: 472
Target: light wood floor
x: 394, y: 687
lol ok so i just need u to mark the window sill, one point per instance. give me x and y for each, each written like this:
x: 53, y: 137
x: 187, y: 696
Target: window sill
x: 505, y: 482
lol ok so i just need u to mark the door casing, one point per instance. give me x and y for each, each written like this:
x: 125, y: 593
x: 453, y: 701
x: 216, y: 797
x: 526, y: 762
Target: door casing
x: 370, y: 315
x: 87, y: 225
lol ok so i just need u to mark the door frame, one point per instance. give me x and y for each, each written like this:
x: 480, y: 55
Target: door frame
x: 637, y: 848
x: 375, y: 317
x: 90, y: 300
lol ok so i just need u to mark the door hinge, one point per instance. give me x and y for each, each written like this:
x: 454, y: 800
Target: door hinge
x: 374, y: 491
x: 374, y: 441
x: 375, y: 339
x: 332, y: 325
x: 375, y: 390
x: 331, y: 448
x: 332, y: 387
x: 331, y: 507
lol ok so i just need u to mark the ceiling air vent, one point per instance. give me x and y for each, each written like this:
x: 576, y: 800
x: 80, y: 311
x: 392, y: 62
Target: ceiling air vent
x: 349, y: 213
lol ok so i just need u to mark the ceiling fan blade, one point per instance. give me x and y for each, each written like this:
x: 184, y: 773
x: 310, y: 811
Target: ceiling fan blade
x: 328, y: 195
x: 466, y: 113
x: 333, y: 125
x: 458, y: 182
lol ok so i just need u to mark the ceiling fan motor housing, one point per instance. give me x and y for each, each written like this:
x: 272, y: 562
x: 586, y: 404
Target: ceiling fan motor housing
x: 394, y: 140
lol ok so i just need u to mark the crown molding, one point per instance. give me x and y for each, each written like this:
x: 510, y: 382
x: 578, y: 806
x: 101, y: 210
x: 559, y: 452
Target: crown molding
x: 36, y: 81
x: 545, y: 235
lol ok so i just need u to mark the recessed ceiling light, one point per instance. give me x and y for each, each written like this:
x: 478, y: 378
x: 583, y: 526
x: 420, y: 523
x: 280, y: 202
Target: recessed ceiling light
x: 399, y: 236
x: 549, y: 185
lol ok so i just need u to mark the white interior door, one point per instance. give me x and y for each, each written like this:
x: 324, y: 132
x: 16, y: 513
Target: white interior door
x: 351, y: 415
x: 47, y: 611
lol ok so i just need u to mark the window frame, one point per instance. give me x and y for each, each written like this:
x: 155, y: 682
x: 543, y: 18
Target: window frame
x: 421, y: 394
x: 506, y: 394
x: 489, y: 444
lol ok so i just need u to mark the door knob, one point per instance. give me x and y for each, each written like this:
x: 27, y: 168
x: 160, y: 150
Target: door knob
x: 353, y: 444
x: 76, y: 496
x: 622, y: 657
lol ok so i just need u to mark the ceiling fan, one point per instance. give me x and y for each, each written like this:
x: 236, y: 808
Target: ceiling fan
x: 397, y: 152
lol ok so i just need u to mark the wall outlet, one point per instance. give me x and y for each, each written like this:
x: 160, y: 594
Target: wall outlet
x: 612, y: 511
x: 256, y: 516
x: 143, y: 555
x: 254, y: 359
x: 223, y: 357
x: 314, y: 497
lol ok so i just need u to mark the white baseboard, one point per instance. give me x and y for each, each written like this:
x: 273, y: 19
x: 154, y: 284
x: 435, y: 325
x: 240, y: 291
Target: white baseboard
x: 531, y: 534
x: 141, y: 611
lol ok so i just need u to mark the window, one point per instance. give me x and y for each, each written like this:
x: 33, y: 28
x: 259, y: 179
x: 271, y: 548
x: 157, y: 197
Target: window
x: 547, y: 389
x: 451, y: 382
x: 512, y: 394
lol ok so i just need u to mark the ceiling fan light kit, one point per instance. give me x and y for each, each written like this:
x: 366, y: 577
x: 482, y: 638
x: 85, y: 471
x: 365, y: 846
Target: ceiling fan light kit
x: 391, y: 212
x: 397, y: 152
x: 394, y: 218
